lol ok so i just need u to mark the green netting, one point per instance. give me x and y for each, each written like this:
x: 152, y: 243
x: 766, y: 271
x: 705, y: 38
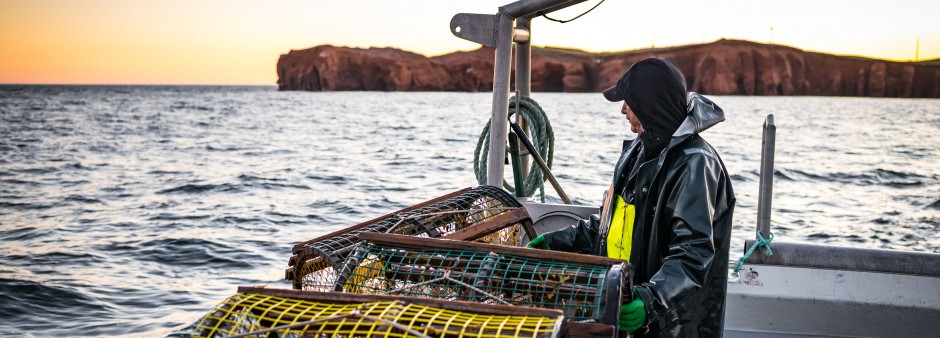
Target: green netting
x: 580, y: 290
x: 314, y: 265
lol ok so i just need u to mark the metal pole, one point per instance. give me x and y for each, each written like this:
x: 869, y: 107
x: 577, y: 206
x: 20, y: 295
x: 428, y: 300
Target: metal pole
x: 499, y: 119
x: 541, y: 163
x: 516, y: 166
x: 765, y: 194
x: 523, y: 8
x: 524, y: 80
x: 524, y: 59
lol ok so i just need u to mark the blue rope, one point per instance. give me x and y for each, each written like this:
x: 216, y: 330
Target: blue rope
x: 760, y: 242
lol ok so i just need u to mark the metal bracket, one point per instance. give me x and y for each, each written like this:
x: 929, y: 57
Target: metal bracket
x: 479, y: 28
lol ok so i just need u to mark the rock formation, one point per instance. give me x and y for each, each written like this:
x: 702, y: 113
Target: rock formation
x: 380, y: 69
x: 724, y: 67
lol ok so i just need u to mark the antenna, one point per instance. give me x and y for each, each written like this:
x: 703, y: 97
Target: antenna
x: 771, y: 40
x: 917, y: 51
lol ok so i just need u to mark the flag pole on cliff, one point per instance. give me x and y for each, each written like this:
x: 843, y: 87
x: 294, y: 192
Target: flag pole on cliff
x: 771, y: 40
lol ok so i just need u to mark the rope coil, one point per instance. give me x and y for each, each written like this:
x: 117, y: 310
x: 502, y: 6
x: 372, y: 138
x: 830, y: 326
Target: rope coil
x: 542, y: 137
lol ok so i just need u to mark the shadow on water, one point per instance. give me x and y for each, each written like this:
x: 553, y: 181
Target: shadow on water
x: 53, y: 310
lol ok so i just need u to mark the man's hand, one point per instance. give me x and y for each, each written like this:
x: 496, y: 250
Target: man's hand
x: 538, y: 243
x: 632, y: 315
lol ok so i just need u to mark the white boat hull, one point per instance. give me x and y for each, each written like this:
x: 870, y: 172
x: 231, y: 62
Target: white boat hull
x: 784, y: 301
x: 832, y: 297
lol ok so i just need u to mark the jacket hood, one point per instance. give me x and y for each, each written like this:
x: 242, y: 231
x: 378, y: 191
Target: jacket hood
x: 655, y: 90
x: 701, y: 114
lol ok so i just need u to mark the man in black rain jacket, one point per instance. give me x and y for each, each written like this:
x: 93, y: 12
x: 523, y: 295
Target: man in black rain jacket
x: 668, y: 210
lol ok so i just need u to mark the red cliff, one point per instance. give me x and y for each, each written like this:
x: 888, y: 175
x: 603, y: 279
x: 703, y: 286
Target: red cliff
x: 380, y: 69
x: 724, y: 67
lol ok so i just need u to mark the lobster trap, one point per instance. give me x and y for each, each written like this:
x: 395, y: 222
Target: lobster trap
x: 583, y: 287
x: 260, y: 312
x: 484, y: 214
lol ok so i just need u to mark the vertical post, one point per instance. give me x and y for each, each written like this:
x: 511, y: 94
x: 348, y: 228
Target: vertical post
x: 499, y: 121
x: 524, y: 80
x: 765, y: 194
x: 516, y: 167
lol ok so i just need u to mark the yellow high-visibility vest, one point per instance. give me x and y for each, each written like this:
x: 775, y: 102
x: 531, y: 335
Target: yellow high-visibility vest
x: 620, y: 233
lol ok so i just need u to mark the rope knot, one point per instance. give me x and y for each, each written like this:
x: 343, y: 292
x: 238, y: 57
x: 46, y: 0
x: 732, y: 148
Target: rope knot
x: 761, y: 241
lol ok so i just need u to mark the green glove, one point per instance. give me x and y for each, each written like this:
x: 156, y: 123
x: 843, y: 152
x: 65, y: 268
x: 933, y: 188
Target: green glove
x: 632, y: 315
x: 538, y: 243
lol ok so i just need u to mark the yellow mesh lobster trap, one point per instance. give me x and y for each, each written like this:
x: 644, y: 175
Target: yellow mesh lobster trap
x: 584, y: 287
x: 260, y: 312
x: 483, y: 214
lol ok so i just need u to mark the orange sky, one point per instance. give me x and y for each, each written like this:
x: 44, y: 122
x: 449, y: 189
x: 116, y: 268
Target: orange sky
x: 238, y: 42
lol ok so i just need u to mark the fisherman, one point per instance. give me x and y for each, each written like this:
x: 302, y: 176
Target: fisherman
x: 668, y: 211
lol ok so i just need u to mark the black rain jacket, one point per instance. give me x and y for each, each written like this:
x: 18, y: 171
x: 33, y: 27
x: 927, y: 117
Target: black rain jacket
x: 681, y: 234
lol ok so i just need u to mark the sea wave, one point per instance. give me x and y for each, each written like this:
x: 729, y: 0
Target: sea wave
x: 875, y: 176
x: 139, y: 210
x: 202, y: 188
x: 50, y: 309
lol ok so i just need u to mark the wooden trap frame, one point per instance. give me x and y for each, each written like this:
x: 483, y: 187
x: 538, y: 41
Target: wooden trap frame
x: 483, y: 214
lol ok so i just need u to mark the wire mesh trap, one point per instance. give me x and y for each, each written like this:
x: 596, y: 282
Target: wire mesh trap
x: 483, y: 214
x: 585, y: 288
x: 259, y: 312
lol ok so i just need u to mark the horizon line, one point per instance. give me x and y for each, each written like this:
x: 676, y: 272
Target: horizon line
x: 934, y: 58
x: 651, y: 48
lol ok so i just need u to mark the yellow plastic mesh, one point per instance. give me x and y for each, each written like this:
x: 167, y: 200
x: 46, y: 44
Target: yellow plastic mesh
x: 255, y: 315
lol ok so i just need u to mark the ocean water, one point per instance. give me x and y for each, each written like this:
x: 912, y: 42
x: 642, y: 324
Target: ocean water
x: 132, y: 210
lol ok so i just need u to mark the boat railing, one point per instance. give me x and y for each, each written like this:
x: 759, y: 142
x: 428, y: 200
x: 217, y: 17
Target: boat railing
x: 765, y: 194
x: 822, y: 256
x: 817, y: 256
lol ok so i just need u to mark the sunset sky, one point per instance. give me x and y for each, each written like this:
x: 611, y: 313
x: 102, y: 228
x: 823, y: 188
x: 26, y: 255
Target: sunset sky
x: 239, y: 41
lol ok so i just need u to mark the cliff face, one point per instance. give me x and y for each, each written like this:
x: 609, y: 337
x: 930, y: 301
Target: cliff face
x: 746, y: 68
x: 380, y: 69
x: 725, y: 67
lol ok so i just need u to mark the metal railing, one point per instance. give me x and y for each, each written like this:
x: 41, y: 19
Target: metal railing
x: 497, y: 31
x: 765, y: 194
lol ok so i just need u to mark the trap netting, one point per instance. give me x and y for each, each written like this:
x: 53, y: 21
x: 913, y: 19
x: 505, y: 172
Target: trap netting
x: 259, y: 312
x: 585, y: 288
x: 483, y: 214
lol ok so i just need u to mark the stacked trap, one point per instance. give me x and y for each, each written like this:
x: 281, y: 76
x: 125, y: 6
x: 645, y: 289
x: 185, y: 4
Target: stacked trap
x: 483, y: 214
x: 447, y: 267
x: 584, y: 288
